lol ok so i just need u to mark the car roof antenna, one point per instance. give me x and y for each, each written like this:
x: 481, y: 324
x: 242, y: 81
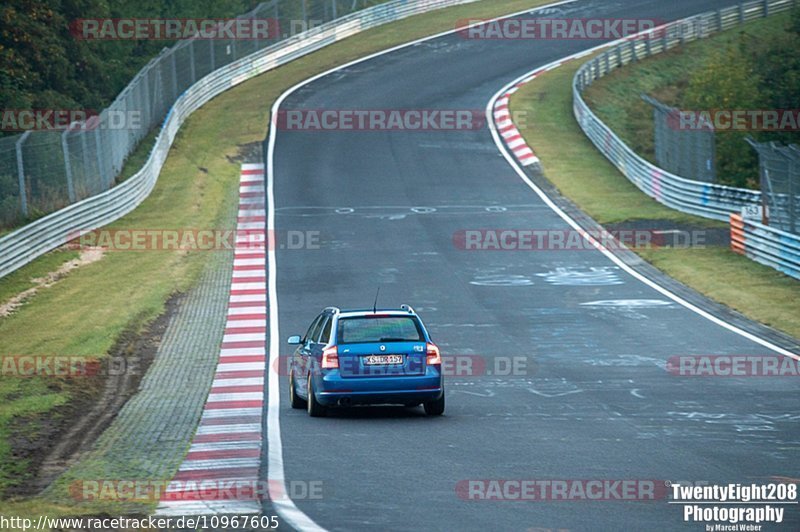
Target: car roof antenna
x: 375, y: 305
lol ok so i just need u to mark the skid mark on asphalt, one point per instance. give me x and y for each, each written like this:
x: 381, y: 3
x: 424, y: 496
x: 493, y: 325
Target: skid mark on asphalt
x: 501, y: 280
x: 484, y: 393
x: 631, y: 303
x: 550, y: 388
x: 220, y: 472
x: 594, y: 276
x: 400, y: 212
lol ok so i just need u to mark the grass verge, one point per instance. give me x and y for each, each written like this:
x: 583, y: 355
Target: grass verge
x: 673, y: 78
x: 572, y: 163
x: 87, y: 311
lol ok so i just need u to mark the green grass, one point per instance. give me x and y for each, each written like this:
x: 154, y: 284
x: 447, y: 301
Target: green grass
x: 743, y: 284
x: 581, y: 173
x: 572, y: 163
x: 86, y: 312
x: 616, y: 98
x: 23, y: 279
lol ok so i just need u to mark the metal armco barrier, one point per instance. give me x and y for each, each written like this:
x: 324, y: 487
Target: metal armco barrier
x: 767, y: 245
x: 687, y: 195
x: 45, y: 234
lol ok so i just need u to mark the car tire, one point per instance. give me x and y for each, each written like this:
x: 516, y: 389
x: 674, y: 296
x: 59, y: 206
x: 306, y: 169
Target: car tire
x: 295, y: 400
x: 435, y: 407
x: 314, y: 408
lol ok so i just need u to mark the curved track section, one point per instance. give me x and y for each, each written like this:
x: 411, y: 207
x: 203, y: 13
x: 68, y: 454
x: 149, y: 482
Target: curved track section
x: 594, y: 400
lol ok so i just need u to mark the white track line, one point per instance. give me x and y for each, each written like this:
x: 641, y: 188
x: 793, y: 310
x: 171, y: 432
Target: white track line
x: 275, y: 467
x: 282, y: 503
x: 222, y: 403
x: 616, y: 260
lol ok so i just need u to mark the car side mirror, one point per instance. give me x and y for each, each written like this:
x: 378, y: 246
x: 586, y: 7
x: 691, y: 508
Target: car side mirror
x: 294, y: 340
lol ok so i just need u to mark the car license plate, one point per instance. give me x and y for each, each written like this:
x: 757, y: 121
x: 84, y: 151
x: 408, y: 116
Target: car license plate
x: 378, y: 360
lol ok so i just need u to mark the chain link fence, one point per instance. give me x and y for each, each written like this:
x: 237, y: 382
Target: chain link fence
x: 779, y: 170
x: 44, y: 171
x: 690, y: 195
x: 687, y: 152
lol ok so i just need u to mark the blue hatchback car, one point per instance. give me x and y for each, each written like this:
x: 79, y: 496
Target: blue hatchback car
x: 358, y: 357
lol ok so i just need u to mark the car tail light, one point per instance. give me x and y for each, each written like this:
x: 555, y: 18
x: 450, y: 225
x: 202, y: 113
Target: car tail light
x: 434, y: 358
x: 330, y: 358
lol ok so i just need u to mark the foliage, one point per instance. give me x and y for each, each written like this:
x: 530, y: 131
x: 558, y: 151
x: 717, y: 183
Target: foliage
x: 44, y: 66
x: 750, y: 73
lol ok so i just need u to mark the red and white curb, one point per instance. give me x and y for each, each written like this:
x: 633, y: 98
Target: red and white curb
x: 505, y: 124
x: 225, y: 455
x: 502, y: 144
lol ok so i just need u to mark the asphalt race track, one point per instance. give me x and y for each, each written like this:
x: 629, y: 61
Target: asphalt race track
x: 593, y: 401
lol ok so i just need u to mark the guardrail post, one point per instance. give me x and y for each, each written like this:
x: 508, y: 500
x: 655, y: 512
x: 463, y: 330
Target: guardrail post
x: 256, y: 42
x: 174, y: 74
x: 85, y: 152
x: 741, y: 13
x: 277, y: 22
x: 23, y: 194
x: 766, y: 8
x: 99, y: 152
x: 211, y: 54
x: 333, y: 12
x: 191, y: 61
x: 719, y: 20
x: 18, y: 249
x: 67, y: 166
x: 634, y: 58
x: 794, y: 175
x: 147, y: 104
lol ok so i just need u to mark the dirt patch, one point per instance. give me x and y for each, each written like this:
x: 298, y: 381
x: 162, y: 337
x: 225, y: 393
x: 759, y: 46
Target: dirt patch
x: 87, y: 256
x: 247, y: 153
x: 52, y: 444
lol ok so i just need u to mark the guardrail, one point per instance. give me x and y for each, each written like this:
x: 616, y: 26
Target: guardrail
x: 767, y: 245
x: 45, y: 234
x: 686, y: 195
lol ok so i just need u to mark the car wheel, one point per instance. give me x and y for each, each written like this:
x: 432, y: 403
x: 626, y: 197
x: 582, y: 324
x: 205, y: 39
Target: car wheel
x: 295, y: 400
x: 314, y: 408
x: 436, y: 407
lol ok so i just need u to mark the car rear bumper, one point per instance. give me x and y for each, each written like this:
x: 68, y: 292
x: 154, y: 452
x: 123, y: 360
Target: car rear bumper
x: 333, y: 389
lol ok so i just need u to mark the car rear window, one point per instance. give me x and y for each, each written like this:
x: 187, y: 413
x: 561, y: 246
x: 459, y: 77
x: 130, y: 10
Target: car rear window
x: 361, y: 330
